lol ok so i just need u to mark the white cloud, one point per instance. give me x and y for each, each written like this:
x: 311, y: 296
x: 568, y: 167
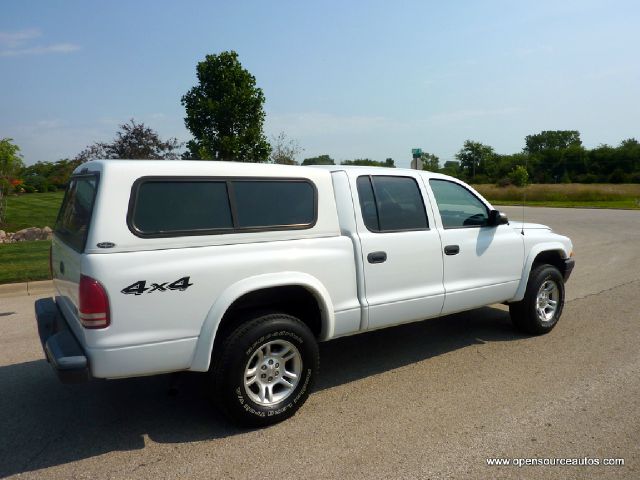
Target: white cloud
x: 20, y: 43
x: 323, y: 124
x: 51, y: 139
x: 16, y: 39
x: 463, y: 115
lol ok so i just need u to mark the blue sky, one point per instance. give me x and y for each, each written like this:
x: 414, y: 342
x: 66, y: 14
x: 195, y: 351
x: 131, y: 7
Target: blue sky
x: 352, y: 79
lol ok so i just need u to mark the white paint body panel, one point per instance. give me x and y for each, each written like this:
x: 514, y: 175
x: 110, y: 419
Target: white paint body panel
x: 175, y: 330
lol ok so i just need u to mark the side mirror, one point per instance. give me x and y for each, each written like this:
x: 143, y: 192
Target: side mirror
x: 497, y: 218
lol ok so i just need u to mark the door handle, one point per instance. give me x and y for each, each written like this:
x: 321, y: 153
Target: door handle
x: 377, y: 257
x: 452, y: 249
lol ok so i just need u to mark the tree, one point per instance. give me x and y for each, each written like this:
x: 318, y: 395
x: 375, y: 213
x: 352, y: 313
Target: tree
x: 430, y: 162
x: 628, y: 155
x: 284, y: 150
x: 320, y: 160
x: 370, y: 163
x: 551, y: 140
x: 136, y: 141
x: 10, y: 166
x: 475, y: 158
x: 225, y: 112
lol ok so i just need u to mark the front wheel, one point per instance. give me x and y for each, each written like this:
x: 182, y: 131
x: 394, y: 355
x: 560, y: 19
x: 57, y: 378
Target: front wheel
x: 540, y: 309
x: 265, y: 370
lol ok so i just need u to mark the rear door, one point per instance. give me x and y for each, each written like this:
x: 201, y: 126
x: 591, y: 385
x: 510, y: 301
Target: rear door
x: 401, y: 250
x: 69, y: 239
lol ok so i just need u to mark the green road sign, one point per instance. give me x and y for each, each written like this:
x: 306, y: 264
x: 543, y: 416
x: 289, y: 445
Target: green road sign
x: 416, y: 152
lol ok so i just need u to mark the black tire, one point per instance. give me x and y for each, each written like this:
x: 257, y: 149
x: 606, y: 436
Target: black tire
x: 231, y: 363
x: 524, y: 314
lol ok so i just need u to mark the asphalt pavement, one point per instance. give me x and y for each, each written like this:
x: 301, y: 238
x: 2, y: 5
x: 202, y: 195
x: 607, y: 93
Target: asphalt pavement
x: 430, y: 400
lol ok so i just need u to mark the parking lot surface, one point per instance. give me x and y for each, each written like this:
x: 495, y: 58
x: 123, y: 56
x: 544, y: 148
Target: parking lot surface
x: 433, y: 399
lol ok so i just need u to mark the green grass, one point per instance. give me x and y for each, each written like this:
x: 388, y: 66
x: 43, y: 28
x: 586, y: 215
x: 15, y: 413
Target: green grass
x: 31, y: 210
x: 566, y: 195
x: 24, y: 261
x: 628, y: 205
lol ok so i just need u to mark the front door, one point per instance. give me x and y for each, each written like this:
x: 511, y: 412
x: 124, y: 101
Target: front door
x: 482, y: 264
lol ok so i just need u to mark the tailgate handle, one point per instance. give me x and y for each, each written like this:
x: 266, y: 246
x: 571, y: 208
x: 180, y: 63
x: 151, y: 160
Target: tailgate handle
x: 377, y: 257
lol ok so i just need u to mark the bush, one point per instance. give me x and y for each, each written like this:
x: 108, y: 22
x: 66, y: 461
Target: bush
x: 519, y: 176
x: 634, y: 177
x: 618, y: 176
x: 480, y: 178
x: 503, y: 182
x: 38, y: 182
x: 587, y: 178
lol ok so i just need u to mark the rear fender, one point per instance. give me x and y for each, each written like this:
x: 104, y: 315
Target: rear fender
x: 204, y: 346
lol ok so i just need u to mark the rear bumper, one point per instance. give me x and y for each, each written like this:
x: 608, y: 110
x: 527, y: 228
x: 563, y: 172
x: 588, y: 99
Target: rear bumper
x: 61, y: 348
x: 569, y: 263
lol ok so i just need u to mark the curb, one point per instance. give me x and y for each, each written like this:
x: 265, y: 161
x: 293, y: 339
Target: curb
x: 26, y: 289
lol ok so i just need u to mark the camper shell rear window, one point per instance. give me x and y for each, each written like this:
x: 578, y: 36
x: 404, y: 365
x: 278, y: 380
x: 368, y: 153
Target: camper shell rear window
x: 74, y: 217
x: 184, y: 206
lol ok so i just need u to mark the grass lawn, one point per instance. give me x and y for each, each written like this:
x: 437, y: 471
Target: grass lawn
x: 24, y: 261
x: 31, y: 210
x: 603, y: 195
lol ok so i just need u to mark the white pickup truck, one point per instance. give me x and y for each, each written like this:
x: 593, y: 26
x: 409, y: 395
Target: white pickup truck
x: 240, y: 269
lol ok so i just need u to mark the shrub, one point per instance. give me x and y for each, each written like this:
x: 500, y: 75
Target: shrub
x: 519, y: 176
x: 587, y: 178
x: 480, y: 178
x: 618, y: 176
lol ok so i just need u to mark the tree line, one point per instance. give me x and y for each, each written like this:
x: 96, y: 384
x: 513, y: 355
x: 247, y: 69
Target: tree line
x: 552, y: 156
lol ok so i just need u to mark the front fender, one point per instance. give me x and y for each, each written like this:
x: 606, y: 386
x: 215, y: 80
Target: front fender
x: 533, y: 253
x: 204, y: 345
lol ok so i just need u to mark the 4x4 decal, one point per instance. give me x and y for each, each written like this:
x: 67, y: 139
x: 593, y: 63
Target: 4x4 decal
x: 140, y: 287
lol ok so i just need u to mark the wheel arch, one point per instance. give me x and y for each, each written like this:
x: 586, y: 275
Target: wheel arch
x: 553, y: 253
x: 250, y: 288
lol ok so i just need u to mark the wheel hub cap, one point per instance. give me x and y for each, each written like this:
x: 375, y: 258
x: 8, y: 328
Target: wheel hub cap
x: 272, y: 372
x: 547, y: 300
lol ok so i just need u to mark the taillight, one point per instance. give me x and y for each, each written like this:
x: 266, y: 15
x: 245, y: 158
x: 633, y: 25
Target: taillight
x: 94, y: 304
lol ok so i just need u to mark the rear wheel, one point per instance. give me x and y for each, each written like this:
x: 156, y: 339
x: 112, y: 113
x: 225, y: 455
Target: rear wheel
x: 541, y: 307
x: 265, y: 369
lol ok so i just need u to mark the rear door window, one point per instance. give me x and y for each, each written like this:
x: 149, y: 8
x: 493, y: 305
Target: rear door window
x: 74, y: 218
x: 391, y: 203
